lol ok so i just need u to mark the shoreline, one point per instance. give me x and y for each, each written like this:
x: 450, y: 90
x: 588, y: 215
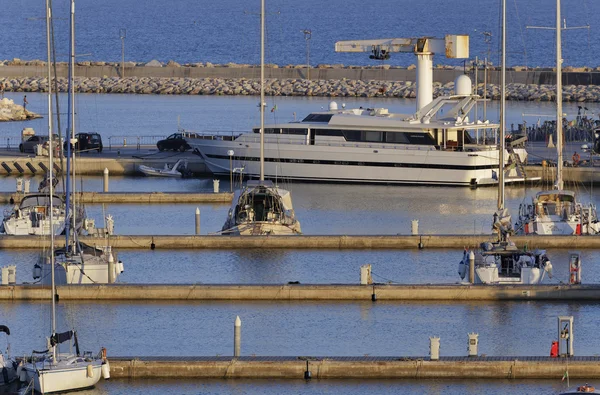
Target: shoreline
x: 325, y: 80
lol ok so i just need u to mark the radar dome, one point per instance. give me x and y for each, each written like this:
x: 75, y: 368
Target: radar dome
x: 462, y: 85
x: 333, y: 106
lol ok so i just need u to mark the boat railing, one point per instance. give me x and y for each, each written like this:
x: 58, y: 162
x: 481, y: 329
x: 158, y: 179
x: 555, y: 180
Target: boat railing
x: 211, y: 135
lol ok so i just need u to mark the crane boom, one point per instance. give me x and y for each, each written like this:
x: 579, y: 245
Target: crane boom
x: 453, y: 46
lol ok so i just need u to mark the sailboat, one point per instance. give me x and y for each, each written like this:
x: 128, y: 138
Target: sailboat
x: 8, y: 365
x: 261, y: 208
x: 77, y: 263
x: 557, y: 211
x: 501, y: 262
x: 50, y: 370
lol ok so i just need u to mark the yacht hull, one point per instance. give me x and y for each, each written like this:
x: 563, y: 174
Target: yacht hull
x: 352, y: 164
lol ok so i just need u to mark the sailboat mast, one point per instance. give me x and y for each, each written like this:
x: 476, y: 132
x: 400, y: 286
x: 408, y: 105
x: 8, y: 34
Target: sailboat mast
x: 70, y: 123
x: 262, y: 90
x: 72, y: 136
x: 502, y: 112
x: 559, y: 126
x: 50, y: 169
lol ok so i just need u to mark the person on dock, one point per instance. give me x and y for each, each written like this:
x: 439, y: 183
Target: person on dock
x: 25, y: 103
x: 576, y: 158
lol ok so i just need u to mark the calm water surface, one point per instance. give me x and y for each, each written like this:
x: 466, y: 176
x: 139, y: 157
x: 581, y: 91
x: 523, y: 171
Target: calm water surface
x: 308, y: 328
x: 228, y: 30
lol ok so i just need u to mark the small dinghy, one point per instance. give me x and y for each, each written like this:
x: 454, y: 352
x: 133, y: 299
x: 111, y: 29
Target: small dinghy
x: 179, y: 169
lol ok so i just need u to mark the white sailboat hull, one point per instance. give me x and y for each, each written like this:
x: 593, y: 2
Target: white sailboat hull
x: 24, y: 226
x: 61, y: 377
x: 90, y: 270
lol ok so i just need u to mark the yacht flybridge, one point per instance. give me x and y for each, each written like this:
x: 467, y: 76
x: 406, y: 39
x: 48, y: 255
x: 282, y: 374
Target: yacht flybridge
x: 437, y: 145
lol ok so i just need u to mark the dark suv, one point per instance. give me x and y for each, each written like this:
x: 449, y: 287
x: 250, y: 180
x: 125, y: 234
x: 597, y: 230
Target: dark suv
x: 87, y: 142
x: 174, y: 142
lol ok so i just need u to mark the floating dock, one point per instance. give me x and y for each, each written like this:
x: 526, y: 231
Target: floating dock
x: 452, y: 368
x: 303, y: 292
x: 135, y: 197
x: 331, y: 242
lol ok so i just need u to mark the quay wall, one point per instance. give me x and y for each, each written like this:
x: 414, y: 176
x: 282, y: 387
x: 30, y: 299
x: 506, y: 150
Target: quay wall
x: 332, y: 242
x: 330, y: 81
x: 354, y: 367
x: 303, y: 292
x: 135, y: 197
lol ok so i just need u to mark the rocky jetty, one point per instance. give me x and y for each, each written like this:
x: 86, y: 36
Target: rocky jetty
x: 277, y: 87
x: 9, y: 111
x: 292, y: 87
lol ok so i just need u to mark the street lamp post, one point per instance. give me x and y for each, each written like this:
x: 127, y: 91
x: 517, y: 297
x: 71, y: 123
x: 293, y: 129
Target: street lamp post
x: 230, y: 153
x: 122, y: 34
x: 307, y: 37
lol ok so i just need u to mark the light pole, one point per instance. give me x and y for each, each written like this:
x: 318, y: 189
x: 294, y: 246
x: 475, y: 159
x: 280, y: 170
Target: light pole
x: 307, y: 37
x: 122, y: 34
x: 230, y: 153
x: 487, y: 37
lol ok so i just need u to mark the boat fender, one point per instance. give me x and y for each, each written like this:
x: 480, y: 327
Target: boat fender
x: 90, y: 371
x: 105, y: 370
x: 37, y: 271
x: 462, y: 265
x: 22, y: 374
x: 103, y: 353
x: 548, y: 268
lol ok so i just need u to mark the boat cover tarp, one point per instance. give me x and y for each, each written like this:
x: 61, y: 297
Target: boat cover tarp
x: 4, y: 328
x: 39, y: 200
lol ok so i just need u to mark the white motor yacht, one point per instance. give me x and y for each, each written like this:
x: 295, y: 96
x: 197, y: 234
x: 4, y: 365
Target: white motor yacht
x: 438, y: 145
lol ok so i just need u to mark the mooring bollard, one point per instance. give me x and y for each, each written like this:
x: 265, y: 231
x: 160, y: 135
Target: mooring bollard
x: 216, y: 186
x: 365, y: 275
x: 471, y: 267
x: 197, y: 221
x: 105, y: 182
x: 237, y: 336
x: 434, y: 348
x: 414, y: 227
x: 473, y: 344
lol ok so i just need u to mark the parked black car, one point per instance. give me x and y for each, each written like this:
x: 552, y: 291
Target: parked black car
x: 174, y: 142
x: 87, y: 142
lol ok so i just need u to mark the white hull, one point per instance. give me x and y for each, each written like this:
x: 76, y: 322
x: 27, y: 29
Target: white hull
x: 355, y: 163
x: 67, y: 375
x: 151, y: 171
x: 489, y: 275
x: 90, y: 270
x: 23, y: 226
x: 264, y: 228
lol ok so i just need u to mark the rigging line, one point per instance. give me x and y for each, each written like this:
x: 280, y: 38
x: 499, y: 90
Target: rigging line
x: 521, y: 31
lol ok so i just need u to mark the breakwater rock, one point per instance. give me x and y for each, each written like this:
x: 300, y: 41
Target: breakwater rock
x: 293, y: 87
x: 9, y: 111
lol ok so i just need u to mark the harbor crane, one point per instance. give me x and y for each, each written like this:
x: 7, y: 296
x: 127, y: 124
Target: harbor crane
x: 454, y: 46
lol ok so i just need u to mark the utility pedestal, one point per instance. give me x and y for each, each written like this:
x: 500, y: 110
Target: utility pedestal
x: 473, y: 344
x: 565, y: 336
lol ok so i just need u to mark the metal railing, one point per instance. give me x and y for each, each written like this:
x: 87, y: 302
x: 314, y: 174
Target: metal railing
x: 133, y: 141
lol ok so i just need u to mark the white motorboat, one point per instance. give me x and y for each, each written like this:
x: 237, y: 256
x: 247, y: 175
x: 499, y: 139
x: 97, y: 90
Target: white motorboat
x: 31, y: 216
x: 557, y: 212
x: 435, y: 146
x: 261, y: 208
x: 8, y: 366
x: 582, y: 389
x: 50, y: 370
x: 179, y: 169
